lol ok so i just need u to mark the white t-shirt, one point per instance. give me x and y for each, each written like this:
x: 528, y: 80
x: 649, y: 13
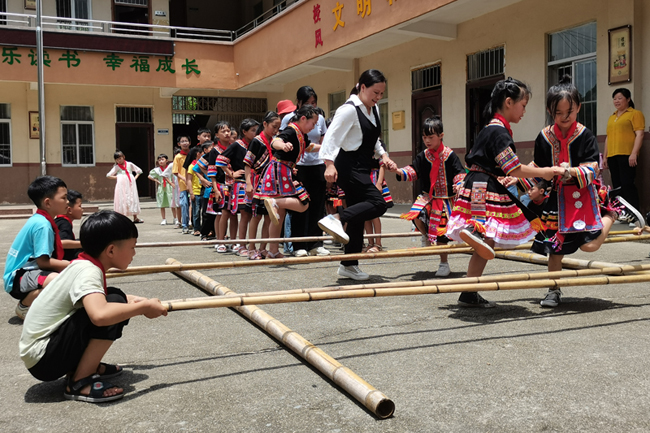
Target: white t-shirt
x: 54, y: 305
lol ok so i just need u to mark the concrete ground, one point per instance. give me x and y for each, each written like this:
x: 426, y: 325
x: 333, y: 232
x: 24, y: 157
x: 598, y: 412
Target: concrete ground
x: 580, y: 367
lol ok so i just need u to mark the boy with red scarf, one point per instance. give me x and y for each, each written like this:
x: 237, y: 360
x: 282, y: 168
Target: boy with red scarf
x: 440, y: 172
x: 76, y: 320
x: 36, y: 254
x: 74, y: 211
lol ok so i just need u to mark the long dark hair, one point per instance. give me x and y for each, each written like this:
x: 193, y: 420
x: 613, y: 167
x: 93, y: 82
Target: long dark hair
x: 269, y: 117
x: 306, y: 110
x: 368, y: 78
x: 504, y: 89
x: 626, y: 94
x: 303, y: 94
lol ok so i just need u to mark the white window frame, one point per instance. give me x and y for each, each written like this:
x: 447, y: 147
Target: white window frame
x: 11, y: 149
x: 77, y: 123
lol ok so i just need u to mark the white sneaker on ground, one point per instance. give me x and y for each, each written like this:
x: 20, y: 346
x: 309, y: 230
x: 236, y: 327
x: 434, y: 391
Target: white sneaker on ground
x: 176, y: 221
x: 272, y: 208
x: 163, y: 222
x: 334, y: 228
x: 443, y: 270
x: 21, y: 310
x: 352, y: 272
x: 552, y: 299
x: 320, y: 251
x: 300, y: 253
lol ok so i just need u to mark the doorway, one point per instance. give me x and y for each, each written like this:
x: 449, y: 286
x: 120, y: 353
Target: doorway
x: 478, y: 95
x: 136, y: 142
x: 137, y: 12
x: 423, y: 105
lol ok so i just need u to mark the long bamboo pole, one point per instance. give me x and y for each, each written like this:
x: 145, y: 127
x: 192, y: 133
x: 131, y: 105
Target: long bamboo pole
x: 267, y: 240
x: 614, y: 269
x: 566, y: 261
x: 236, y: 301
x: 354, y: 385
x: 415, y: 252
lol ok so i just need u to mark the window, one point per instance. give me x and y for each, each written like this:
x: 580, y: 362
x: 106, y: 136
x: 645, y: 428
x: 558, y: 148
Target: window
x: 77, y: 136
x: 80, y: 9
x: 133, y: 115
x: 425, y: 78
x: 335, y: 100
x: 484, y: 64
x: 573, y: 52
x: 5, y: 134
x: 3, y: 11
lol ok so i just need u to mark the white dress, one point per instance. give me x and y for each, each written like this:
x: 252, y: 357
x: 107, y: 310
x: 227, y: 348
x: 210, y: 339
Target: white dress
x: 126, y: 200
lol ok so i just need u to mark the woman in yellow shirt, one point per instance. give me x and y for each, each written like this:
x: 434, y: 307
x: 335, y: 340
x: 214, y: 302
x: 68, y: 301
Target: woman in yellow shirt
x: 624, y: 137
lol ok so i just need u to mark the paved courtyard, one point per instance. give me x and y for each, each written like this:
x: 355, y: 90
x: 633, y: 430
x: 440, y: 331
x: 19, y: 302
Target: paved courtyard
x: 516, y: 368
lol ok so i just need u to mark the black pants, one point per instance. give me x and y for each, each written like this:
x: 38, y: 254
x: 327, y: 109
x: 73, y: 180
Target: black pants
x: 364, y: 202
x: 69, y: 342
x: 623, y: 176
x: 207, y: 225
x: 305, y: 223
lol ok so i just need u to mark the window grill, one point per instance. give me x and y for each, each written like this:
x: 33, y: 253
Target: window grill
x: 133, y: 114
x: 232, y: 110
x: 5, y: 134
x: 143, y: 3
x: 425, y: 78
x: 77, y: 135
x: 486, y: 64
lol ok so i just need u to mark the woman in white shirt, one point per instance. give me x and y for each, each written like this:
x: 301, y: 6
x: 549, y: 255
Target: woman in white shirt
x: 348, y: 148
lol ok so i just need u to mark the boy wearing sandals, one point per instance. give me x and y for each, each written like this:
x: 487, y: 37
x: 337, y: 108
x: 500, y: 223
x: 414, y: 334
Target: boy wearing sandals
x: 70, y: 327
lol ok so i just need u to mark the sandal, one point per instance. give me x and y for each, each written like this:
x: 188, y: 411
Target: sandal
x: 264, y: 253
x: 110, y: 370
x: 96, y: 394
x: 138, y: 221
x: 243, y: 252
x: 277, y: 255
x: 221, y: 248
x: 373, y: 249
x: 196, y: 233
x: 254, y: 255
x: 235, y: 248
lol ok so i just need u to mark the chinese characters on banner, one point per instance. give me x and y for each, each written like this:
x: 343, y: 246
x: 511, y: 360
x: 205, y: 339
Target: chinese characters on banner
x: 72, y: 59
x: 364, y: 8
x: 318, y: 34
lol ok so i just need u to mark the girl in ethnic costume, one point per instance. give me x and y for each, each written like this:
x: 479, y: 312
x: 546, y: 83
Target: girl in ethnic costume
x: 126, y: 200
x: 231, y: 162
x: 440, y: 173
x: 378, y: 177
x: 256, y: 159
x: 486, y: 214
x: 208, y: 165
x: 578, y: 214
x: 164, y: 179
x: 278, y: 188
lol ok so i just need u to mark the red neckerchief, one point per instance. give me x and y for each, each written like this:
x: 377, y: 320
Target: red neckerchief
x: 162, y: 174
x: 123, y: 167
x: 436, y: 204
x: 266, y: 141
x: 94, y: 261
x: 221, y: 149
x: 58, y: 246
x: 504, y: 121
x: 564, y: 141
x: 301, y: 139
x: 184, y: 152
x: 540, y: 201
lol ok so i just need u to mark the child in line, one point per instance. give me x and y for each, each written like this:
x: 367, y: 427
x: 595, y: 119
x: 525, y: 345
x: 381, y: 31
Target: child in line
x: 538, y: 197
x: 231, y: 162
x: 208, y: 166
x: 191, y: 178
x: 441, y: 174
x: 577, y: 214
x: 377, y: 175
x: 485, y: 213
x: 74, y: 211
x: 75, y: 321
x: 204, y: 136
x: 176, y: 194
x: 178, y: 170
x: 256, y: 160
x: 278, y: 190
x: 162, y: 176
x: 126, y: 200
x: 36, y: 254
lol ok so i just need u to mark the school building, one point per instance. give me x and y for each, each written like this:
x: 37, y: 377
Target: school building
x: 134, y: 74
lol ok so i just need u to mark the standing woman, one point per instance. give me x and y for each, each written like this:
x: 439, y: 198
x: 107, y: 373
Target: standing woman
x: 348, y: 148
x: 624, y: 137
x: 311, y: 173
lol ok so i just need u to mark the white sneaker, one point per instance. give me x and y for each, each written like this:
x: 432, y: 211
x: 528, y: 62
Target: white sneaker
x: 271, y: 207
x: 320, y: 251
x: 352, y: 272
x: 21, y: 310
x: 176, y: 221
x: 553, y: 298
x: 443, y: 270
x: 334, y: 228
x: 163, y: 222
x: 300, y: 253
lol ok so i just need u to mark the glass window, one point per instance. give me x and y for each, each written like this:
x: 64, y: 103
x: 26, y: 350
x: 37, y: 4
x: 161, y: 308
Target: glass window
x: 573, y: 52
x: 5, y: 134
x: 77, y: 136
x: 335, y: 100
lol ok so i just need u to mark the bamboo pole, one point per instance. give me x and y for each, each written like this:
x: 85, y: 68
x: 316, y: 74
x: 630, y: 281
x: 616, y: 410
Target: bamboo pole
x: 267, y: 240
x: 236, y: 301
x: 415, y: 252
x: 342, y: 376
x: 566, y: 261
x: 612, y: 270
